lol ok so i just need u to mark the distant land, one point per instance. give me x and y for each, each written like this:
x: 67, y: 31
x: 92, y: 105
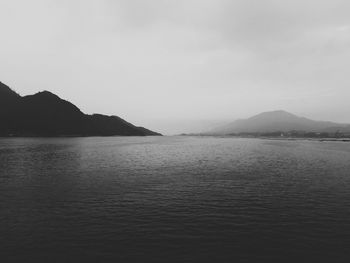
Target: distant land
x: 45, y: 114
x: 284, y: 124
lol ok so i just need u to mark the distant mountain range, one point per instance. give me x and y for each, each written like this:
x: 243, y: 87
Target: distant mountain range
x: 45, y: 114
x: 279, y: 121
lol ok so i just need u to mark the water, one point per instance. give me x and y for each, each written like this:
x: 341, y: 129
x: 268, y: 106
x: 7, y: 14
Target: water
x: 174, y: 199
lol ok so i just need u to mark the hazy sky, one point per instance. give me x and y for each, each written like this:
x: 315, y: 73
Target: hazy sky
x: 165, y: 63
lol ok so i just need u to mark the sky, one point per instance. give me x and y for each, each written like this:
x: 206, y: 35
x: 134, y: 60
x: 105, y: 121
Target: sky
x: 181, y: 65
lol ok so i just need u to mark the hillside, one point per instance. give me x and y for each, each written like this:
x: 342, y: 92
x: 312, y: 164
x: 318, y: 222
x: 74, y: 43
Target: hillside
x: 46, y: 114
x: 278, y: 121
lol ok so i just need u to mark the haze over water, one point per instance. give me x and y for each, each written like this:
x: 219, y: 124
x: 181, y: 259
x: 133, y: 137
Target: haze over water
x: 174, y: 199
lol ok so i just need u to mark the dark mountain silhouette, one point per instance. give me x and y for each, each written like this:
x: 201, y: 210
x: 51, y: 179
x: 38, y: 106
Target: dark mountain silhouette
x: 45, y: 114
x: 278, y: 121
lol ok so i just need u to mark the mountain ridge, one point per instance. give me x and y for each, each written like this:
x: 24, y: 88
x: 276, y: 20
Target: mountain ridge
x: 46, y: 114
x: 278, y: 121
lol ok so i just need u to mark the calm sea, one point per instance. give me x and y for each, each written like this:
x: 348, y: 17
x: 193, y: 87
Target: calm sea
x: 174, y: 199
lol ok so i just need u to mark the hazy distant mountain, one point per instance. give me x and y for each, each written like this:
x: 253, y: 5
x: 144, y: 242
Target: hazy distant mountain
x: 342, y: 129
x: 45, y: 114
x: 278, y: 121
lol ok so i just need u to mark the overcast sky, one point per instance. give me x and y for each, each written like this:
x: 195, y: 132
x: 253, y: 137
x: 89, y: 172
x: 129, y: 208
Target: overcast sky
x: 177, y: 65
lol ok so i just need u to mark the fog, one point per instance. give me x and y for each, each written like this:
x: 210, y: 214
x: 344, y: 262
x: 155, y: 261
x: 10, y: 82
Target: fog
x: 181, y: 65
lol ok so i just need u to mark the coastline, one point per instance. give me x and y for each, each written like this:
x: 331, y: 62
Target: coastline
x: 345, y: 139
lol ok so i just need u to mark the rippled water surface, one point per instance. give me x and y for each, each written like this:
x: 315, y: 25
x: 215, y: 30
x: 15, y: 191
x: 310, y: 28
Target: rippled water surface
x: 174, y: 199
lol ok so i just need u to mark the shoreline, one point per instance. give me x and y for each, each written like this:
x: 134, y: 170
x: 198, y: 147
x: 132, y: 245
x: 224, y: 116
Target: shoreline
x: 306, y: 139
x: 275, y: 138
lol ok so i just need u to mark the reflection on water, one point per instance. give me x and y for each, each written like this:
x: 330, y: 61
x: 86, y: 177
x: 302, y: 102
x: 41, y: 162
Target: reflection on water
x: 174, y: 199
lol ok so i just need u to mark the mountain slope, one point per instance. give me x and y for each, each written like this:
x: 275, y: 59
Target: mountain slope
x: 9, y: 101
x: 276, y: 121
x: 8, y: 98
x: 45, y: 114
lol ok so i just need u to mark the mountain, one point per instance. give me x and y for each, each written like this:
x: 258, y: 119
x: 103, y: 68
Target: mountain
x: 278, y: 121
x: 7, y: 98
x: 46, y: 114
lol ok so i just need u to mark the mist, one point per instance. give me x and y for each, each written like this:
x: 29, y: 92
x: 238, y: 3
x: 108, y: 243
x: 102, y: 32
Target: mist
x: 181, y: 65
